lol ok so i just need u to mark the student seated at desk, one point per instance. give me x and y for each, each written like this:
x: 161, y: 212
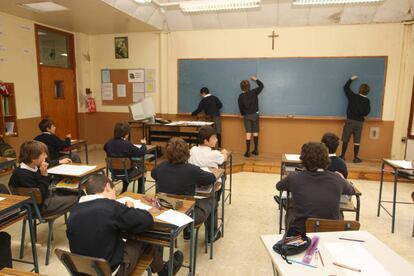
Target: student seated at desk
x: 337, y: 164
x: 176, y: 176
x: 32, y: 173
x: 5, y: 240
x: 97, y: 224
x: 54, y: 144
x: 120, y: 146
x: 316, y: 192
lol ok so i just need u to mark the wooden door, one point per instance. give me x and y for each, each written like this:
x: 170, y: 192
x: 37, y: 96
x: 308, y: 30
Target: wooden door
x: 57, y: 79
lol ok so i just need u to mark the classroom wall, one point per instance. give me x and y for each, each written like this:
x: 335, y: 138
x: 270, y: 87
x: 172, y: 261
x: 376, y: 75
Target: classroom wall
x: 319, y: 41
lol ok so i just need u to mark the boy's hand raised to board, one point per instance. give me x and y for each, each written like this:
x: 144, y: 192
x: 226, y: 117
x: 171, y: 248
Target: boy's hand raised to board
x: 354, y: 77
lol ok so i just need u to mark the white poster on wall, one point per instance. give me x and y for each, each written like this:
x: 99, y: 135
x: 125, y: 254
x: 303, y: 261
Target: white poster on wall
x: 150, y: 86
x: 107, y: 91
x: 121, y: 90
x: 149, y: 74
x: 138, y: 87
x: 137, y: 75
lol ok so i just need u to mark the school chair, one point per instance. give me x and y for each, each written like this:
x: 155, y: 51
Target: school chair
x: 123, y: 164
x: 37, y: 200
x: 85, y: 265
x: 328, y: 225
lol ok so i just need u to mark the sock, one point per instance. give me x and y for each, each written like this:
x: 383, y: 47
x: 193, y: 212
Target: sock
x: 344, y: 147
x: 356, y: 151
x: 124, y: 186
x: 219, y: 140
x: 247, y: 145
x: 256, y: 143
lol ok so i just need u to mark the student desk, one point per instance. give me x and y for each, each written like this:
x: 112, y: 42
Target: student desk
x: 15, y: 272
x: 151, y: 153
x: 163, y: 233
x: 219, y: 174
x: 156, y: 132
x: 381, y: 254
x: 82, y: 177
x: 9, y: 213
x: 396, y: 167
x: 80, y: 142
x: 288, y: 165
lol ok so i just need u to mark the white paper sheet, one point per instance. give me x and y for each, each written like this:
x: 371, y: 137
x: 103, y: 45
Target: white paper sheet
x: 138, y: 87
x: 150, y: 86
x: 175, y: 218
x: 107, y: 91
x: 402, y: 163
x: 73, y: 170
x: 2, y: 198
x: 138, y: 145
x: 355, y: 255
x: 149, y: 74
x: 136, y: 75
x: 121, y: 90
x: 137, y: 203
x: 190, y: 123
x: 106, y: 76
x: 292, y: 157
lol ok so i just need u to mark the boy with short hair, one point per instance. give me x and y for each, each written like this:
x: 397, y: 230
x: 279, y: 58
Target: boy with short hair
x: 337, y: 164
x: 120, y: 146
x: 96, y: 226
x: 55, y: 144
x: 358, y: 107
x: 249, y: 109
x: 211, y: 106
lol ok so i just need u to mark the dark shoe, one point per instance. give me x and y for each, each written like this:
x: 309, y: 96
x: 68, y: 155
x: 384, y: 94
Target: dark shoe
x: 218, y: 236
x: 357, y: 160
x: 255, y: 152
x: 247, y: 154
x: 177, y: 263
x: 187, y: 234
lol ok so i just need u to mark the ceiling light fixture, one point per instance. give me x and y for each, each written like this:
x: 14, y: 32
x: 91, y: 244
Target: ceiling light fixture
x: 44, y: 7
x: 207, y: 5
x: 332, y: 2
x: 143, y: 1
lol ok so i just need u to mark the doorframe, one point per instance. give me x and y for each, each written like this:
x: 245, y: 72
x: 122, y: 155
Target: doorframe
x: 410, y: 119
x: 72, y: 61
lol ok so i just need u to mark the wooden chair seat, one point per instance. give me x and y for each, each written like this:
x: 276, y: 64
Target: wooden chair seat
x: 15, y: 272
x: 18, y: 217
x: 328, y: 225
x: 142, y: 265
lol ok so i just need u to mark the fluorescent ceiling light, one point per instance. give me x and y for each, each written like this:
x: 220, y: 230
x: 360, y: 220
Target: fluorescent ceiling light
x: 332, y: 2
x: 143, y: 1
x: 44, y: 7
x: 214, y: 5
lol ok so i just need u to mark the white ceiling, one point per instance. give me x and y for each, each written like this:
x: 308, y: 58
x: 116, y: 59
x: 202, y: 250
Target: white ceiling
x: 117, y: 16
x: 271, y: 13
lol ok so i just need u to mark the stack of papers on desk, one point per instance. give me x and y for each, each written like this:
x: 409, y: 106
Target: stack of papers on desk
x: 293, y: 157
x: 137, y: 203
x: 174, y: 217
x: 402, y: 163
x: 2, y: 198
x: 74, y: 170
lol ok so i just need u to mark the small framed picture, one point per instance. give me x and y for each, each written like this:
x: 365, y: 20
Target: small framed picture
x: 121, y: 47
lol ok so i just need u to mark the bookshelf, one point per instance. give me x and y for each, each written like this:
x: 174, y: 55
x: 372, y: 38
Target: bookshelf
x: 8, y: 115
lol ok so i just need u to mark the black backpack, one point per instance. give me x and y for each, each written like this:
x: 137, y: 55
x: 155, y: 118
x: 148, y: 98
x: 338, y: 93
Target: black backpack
x: 6, y: 150
x: 285, y: 249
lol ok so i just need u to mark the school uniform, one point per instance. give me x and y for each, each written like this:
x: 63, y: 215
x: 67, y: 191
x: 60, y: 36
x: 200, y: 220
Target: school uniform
x: 204, y: 156
x: 54, y: 146
x: 315, y: 195
x: 96, y: 226
x: 120, y: 147
x: 249, y: 107
x: 54, y: 201
x: 337, y: 165
x: 182, y: 179
x: 211, y: 106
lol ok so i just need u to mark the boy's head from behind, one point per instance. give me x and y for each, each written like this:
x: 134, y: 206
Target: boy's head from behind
x: 245, y: 85
x: 364, y: 89
x: 204, y: 91
x: 331, y: 141
x: 207, y: 137
x: 315, y: 156
x: 32, y: 152
x: 177, y: 151
x: 100, y: 184
x: 47, y: 125
x: 121, y: 130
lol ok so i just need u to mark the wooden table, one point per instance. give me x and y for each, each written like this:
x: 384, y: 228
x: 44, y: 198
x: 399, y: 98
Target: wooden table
x: 80, y: 142
x: 289, y: 165
x: 380, y: 253
x: 163, y: 233
x: 395, y: 170
x: 15, y: 272
x: 14, y: 208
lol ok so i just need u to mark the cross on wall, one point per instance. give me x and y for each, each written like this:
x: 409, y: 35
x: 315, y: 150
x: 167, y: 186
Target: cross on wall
x: 273, y: 36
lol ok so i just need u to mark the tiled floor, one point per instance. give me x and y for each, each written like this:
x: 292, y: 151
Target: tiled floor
x: 251, y: 214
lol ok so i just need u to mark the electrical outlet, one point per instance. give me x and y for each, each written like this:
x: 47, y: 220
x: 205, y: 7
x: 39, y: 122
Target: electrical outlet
x: 374, y: 133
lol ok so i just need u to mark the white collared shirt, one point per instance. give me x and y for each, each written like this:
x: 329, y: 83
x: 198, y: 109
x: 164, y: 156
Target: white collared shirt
x: 204, y: 156
x: 87, y: 198
x: 205, y: 96
x: 26, y: 167
x: 332, y: 154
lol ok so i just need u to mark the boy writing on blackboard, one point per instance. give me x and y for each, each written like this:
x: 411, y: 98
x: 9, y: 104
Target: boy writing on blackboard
x: 358, y: 108
x: 211, y: 106
x: 249, y: 109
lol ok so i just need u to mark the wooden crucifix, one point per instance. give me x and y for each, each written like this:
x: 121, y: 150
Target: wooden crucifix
x: 273, y: 36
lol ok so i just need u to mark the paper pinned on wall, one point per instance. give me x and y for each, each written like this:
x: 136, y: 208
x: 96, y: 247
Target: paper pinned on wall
x: 121, y: 90
x: 107, y: 92
x: 136, y: 75
x: 138, y: 87
x: 149, y: 74
x: 106, y: 76
x: 150, y: 86
x: 137, y: 97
